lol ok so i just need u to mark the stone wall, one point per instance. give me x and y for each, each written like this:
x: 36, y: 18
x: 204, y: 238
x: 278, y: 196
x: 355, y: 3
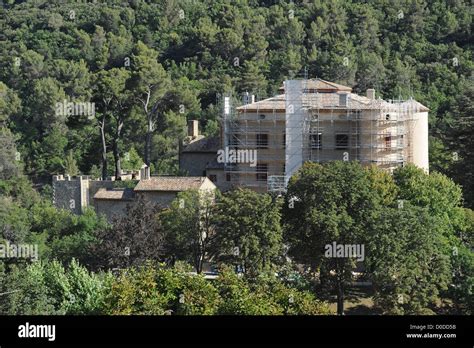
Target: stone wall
x: 111, y: 208
x: 76, y: 193
x: 163, y: 198
x: 69, y: 193
x: 194, y: 163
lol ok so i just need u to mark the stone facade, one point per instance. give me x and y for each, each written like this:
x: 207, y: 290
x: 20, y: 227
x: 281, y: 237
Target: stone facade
x: 78, y: 193
x: 198, y: 157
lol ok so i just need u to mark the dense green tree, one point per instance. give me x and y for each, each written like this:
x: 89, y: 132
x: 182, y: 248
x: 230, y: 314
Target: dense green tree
x: 149, y: 81
x: 462, y: 143
x: 14, y: 224
x: 407, y: 279
x: 26, y: 292
x: 331, y: 203
x: 132, y: 160
x: 43, y: 288
x: 189, y: 227
x: 112, y: 101
x: 10, y: 164
x: 178, y: 103
x: 10, y: 103
x: 248, y: 231
x: 77, y: 238
x: 437, y: 193
x: 156, y: 289
x: 70, y: 165
x: 133, y: 238
x: 265, y: 296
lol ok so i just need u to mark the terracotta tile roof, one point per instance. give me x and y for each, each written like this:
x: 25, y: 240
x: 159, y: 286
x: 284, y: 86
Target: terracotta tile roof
x: 211, y: 144
x: 316, y: 85
x: 114, y: 194
x: 330, y: 101
x: 274, y: 103
x: 170, y: 183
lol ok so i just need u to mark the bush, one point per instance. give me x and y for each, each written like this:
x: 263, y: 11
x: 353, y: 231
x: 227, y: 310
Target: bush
x: 152, y: 289
x: 266, y: 295
x: 43, y: 288
x: 135, y: 291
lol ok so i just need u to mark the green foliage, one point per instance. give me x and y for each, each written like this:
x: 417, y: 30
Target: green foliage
x: 438, y: 194
x: 77, y: 238
x: 181, y: 64
x: 13, y: 221
x: 27, y: 292
x: 132, y: 160
x: 425, y: 53
x: 20, y: 190
x: 87, y: 290
x: 264, y: 296
x: 152, y: 289
x: 70, y: 167
x: 134, y: 291
x: 197, y: 296
x: 461, y: 142
x: 49, y: 288
x: 240, y: 299
x: 10, y: 103
x: 248, y: 231
x: 188, y: 226
x: 10, y: 165
x: 125, y: 184
x: 334, y: 202
x: 406, y: 260
x: 462, y: 287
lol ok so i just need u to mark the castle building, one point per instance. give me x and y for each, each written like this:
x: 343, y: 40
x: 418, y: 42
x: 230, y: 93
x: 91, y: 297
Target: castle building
x: 106, y: 197
x: 313, y: 120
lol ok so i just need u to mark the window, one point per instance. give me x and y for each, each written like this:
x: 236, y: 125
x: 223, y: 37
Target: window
x: 262, y: 141
x: 316, y: 140
x: 342, y: 141
x: 227, y: 177
x: 284, y: 140
x: 213, y: 178
x: 387, y: 117
x: 262, y: 171
x: 388, y: 141
x: 343, y: 99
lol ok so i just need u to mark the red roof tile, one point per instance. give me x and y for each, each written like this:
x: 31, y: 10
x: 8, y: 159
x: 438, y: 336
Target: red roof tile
x: 114, y: 194
x: 170, y: 183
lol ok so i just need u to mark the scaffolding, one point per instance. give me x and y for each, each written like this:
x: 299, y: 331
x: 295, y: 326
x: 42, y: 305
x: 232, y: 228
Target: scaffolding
x: 253, y: 131
x: 306, y: 125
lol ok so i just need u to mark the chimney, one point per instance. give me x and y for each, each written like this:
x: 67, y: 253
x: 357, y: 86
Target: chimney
x: 193, y: 128
x: 246, y: 98
x: 144, y: 172
x: 371, y: 93
x: 226, y: 105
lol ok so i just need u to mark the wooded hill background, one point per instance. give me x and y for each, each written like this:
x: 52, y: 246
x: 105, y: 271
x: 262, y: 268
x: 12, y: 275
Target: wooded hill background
x: 191, y: 51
